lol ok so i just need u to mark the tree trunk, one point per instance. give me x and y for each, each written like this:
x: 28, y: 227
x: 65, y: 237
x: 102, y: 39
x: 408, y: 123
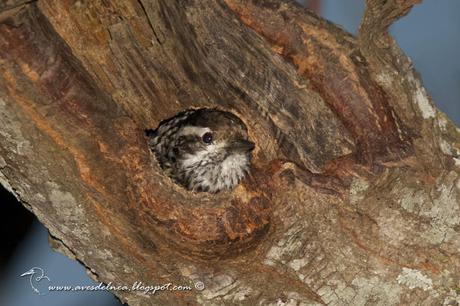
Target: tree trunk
x: 353, y: 198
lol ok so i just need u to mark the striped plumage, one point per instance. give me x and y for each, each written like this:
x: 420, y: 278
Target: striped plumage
x: 203, y: 150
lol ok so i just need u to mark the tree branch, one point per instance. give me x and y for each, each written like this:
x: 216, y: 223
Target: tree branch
x: 334, y: 211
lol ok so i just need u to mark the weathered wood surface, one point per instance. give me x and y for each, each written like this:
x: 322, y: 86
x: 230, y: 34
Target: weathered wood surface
x: 354, y: 195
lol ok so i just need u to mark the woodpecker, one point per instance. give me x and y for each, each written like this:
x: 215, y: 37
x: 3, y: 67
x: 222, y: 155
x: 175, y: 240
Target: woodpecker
x: 203, y: 150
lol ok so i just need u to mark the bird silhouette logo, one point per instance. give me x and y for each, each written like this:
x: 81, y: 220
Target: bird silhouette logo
x: 36, y: 275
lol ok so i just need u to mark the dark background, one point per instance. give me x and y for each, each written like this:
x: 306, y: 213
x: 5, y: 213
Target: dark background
x: 430, y: 35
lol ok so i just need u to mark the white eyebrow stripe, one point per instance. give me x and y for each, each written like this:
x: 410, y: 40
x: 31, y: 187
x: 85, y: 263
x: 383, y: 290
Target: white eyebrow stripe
x: 193, y: 130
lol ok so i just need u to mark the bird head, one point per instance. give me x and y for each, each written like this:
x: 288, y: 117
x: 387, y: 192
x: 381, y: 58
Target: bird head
x: 213, y: 135
x: 32, y: 271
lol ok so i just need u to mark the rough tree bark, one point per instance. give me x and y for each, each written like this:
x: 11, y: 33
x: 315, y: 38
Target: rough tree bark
x: 354, y: 194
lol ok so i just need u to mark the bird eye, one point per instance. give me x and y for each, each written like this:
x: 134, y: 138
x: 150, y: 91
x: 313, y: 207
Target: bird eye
x: 207, y: 137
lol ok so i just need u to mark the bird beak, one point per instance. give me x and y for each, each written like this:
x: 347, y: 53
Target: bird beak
x: 242, y: 145
x: 30, y: 272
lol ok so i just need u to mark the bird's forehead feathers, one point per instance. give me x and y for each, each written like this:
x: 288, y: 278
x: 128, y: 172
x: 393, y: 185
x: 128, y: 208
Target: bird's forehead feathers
x: 193, y: 130
x: 217, y: 121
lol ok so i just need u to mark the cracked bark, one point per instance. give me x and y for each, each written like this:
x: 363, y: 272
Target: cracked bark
x: 354, y: 195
